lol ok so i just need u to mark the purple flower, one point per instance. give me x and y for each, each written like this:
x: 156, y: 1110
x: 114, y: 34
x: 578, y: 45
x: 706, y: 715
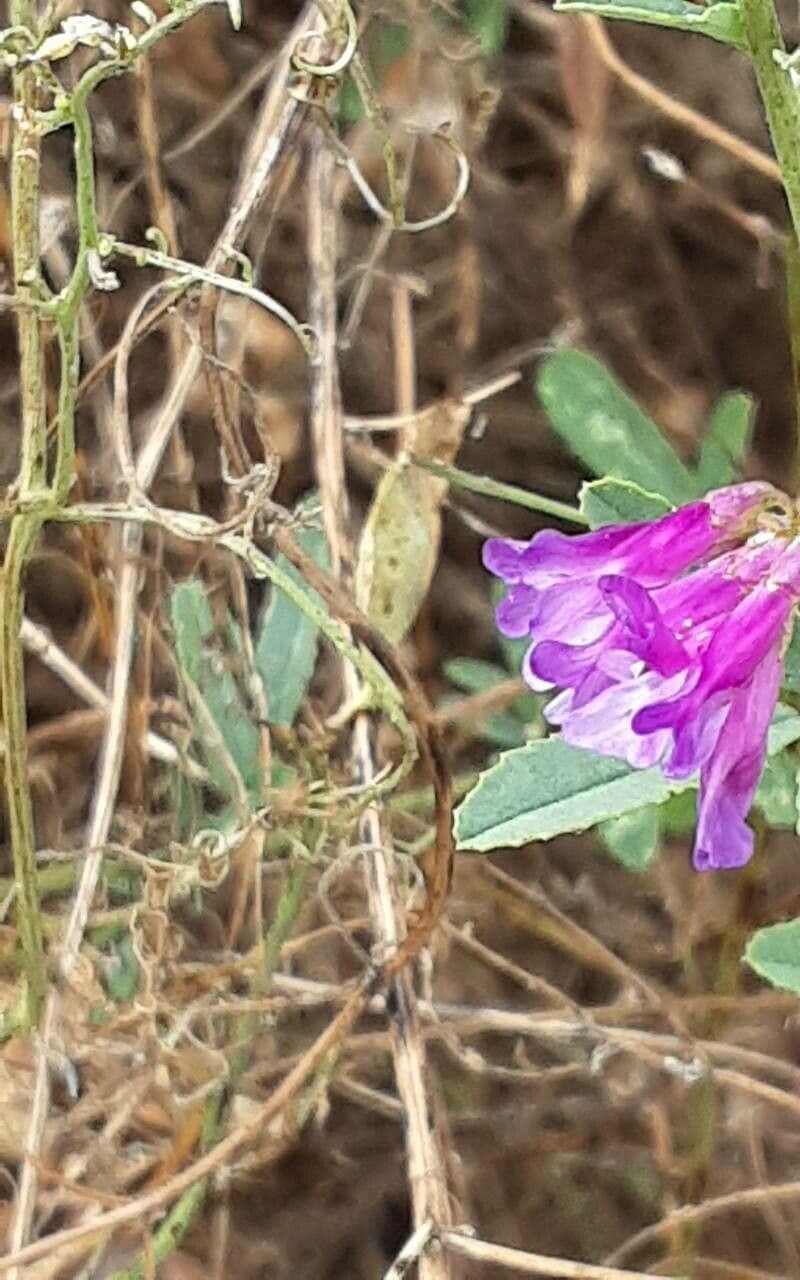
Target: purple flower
x: 665, y: 641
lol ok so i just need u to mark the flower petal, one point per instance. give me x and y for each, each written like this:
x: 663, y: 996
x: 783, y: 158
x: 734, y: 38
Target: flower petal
x: 728, y: 782
x: 733, y: 504
x: 603, y: 724
x: 574, y: 612
x: 503, y: 558
x: 516, y: 610
x: 737, y: 646
x: 653, y: 551
x: 645, y: 633
x: 665, y: 640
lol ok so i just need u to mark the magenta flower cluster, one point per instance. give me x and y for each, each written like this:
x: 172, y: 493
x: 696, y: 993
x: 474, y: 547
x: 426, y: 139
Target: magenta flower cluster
x: 666, y: 642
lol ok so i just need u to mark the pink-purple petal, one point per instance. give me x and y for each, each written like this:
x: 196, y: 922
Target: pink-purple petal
x: 665, y: 640
x: 644, y: 629
x: 735, y: 649
x: 729, y: 780
x: 516, y: 611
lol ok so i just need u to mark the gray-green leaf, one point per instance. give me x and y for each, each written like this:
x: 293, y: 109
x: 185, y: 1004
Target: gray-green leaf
x: 488, y: 22
x: 502, y: 729
x: 214, y: 694
x: 286, y: 645
x: 721, y: 21
x: 776, y: 796
x: 725, y: 442
x: 548, y: 788
x: 791, y: 662
x: 605, y: 428
x: 473, y: 675
x: 633, y: 838
x: 611, y: 501
x: 774, y: 954
x: 121, y: 971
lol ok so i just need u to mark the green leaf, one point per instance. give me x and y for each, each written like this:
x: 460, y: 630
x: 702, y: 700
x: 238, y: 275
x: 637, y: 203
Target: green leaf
x: 784, y: 730
x: 620, y: 502
x: 487, y: 20
x: 473, y: 675
x: 351, y: 108
x: 504, y: 730
x: 791, y: 663
x: 721, y: 21
x: 393, y: 42
x: 678, y: 815
x: 774, y: 954
x: 633, y: 838
x: 121, y: 971
x: 616, y: 440
x: 548, y: 788
x: 286, y: 644
x: 213, y: 693
x: 725, y: 442
x: 776, y: 796
x: 606, y: 429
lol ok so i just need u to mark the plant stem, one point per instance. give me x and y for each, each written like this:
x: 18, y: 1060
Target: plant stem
x: 68, y: 306
x: 25, y: 166
x: 503, y: 492
x: 25, y: 527
x: 782, y: 106
x: 22, y: 538
x: 793, y: 317
x: 781, y: 103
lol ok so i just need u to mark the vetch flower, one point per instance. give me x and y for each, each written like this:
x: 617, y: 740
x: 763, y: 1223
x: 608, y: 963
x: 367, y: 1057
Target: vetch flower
x: 666, y: 642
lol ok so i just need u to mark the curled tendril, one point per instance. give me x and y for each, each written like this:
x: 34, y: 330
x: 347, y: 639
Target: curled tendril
x: 423, y: 224
x: 341, y: 61
x: 145, y: 257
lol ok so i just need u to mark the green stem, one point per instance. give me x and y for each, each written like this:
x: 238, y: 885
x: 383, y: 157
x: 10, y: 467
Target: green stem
x: 69, y: 351
x: 781, y: 103
x: 25, y: 167
x: 180, y: 1218
x: 69, y: 303
x: 793, y: 317
x: 24, y: 532
x: 285, y: 915
x: 503, y: 492
x: 22, y: 538
x: 420, y: 801
x: 782, y: 106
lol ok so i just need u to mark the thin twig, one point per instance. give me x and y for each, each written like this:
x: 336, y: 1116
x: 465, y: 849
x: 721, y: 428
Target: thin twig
x: 413, y: 1248
x: 253, y: 188
x: 692, y: 1214
x: 531, y: 1264
x: 39, y: 642
x: 224, y: 1153
x: 426, y: 1168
